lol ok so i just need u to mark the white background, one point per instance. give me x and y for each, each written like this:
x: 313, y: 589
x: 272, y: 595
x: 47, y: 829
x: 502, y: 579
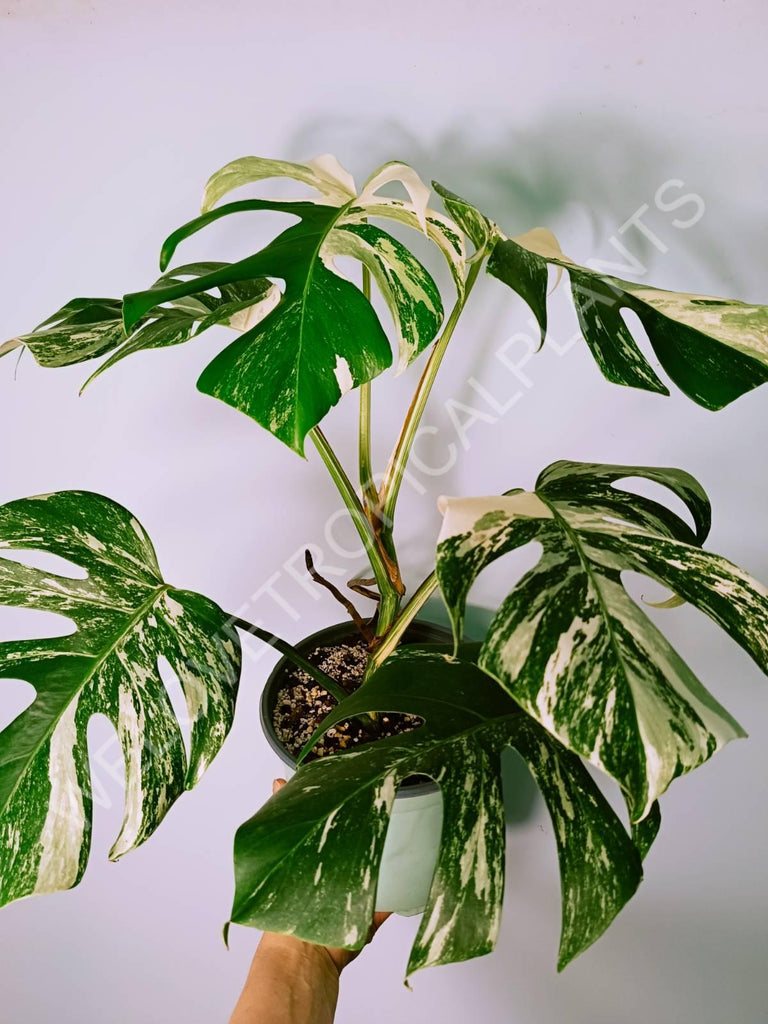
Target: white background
x: 572, y: 115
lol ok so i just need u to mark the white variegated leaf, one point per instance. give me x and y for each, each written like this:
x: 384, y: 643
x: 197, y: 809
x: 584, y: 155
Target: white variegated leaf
x: 337, y: 187
x: 742, y: 326
x: 448, y: 237
x: 9, y: 346
x: 542, y: 242
x: 572, y: 647
x: 308, y: 862
x: 325, y: 174
x: 410, y: 293
x: 125, y: 618
x: 396, y: 171
x: 84, y: 329
x: 332, y: 172
x: 474, y: 224
x: 305, y: 347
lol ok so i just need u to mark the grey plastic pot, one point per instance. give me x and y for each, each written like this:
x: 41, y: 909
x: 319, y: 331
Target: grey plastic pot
x: 413, y: 836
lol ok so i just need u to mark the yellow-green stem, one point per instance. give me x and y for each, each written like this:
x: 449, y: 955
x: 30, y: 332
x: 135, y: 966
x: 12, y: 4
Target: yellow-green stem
x: 390, y: 600
x: 370, y: 493
x: 393, y: 476
x: 402, y: 622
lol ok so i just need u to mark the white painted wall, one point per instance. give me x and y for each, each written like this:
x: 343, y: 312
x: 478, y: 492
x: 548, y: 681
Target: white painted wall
x: 573, y: 115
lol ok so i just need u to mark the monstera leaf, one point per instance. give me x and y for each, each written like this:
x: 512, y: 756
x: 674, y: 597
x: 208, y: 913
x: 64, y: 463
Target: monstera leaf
x: 308, y: 862
x: 324, y: 338
x: 81, y: 329
x: 304, y: 349
x: 713, y: 349
x: 240, y: 305
x: 86, y: 328
x: 125, y: 618
x: 324, y: 174
x: 571, y: 646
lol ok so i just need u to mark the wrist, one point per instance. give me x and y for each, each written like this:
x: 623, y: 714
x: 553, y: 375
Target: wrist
x: 304, y: 958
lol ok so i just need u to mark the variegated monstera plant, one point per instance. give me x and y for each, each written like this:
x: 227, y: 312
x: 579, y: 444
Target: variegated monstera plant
x: 571, y: 669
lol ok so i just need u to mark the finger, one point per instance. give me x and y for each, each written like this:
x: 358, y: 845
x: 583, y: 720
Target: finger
x: 277, y: 785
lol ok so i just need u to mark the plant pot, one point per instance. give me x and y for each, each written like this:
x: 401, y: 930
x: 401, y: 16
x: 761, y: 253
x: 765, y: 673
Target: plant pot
x: 413, y: 836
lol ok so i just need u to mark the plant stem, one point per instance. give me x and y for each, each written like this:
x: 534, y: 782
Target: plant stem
x: 290, y: 652
x: 390, y: 599
x: 393, y: 476
x: 402, y: 622
x: 370, y: 493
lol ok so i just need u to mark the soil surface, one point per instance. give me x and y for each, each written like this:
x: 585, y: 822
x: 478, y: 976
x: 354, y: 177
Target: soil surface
x: 302, y: 704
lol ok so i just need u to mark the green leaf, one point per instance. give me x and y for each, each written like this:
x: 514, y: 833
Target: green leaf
x: 715, y: 350
x: 125, y: 618
x: 644, y: 832
x: 524, y: 270
x: 308, y: 862
x: 598, y: 308
x: 324, y: 338
x: 572, y: 647
x: 474, y: 224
